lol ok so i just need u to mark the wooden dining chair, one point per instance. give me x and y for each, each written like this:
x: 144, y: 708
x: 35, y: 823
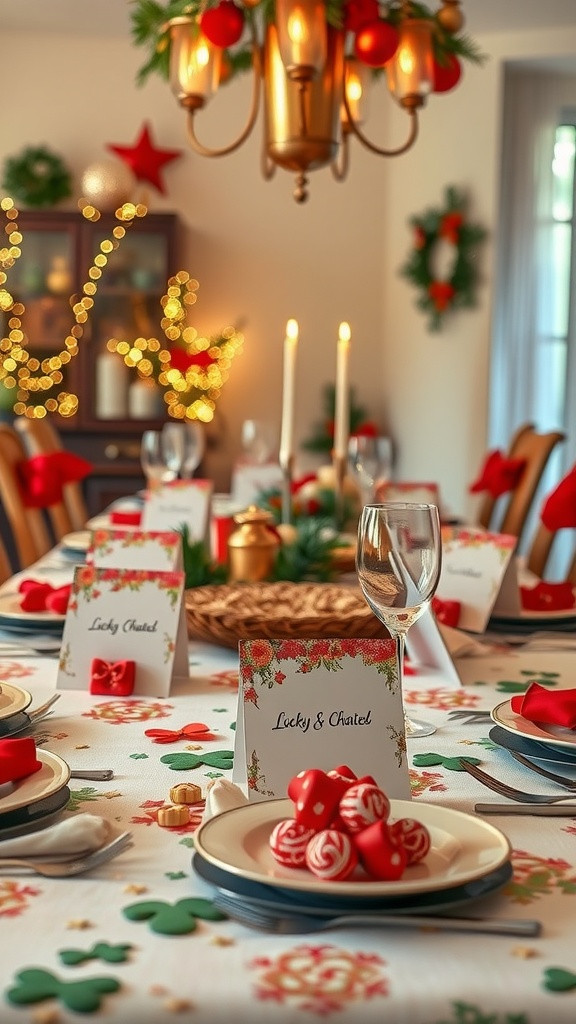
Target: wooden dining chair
x: 41, y: 438
x: 536, y: 450
x: 5, y: 567
x: 30, y: 532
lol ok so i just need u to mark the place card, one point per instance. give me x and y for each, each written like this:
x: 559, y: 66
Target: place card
x: 316, y: 704
x: 177, y: 504
x: 119, y: 615
x: 135, y: 549
x: 427, y: 649
x: 477, y: 566
x: 249, y: 480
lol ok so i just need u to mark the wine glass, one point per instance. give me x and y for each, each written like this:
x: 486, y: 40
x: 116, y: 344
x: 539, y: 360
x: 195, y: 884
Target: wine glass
x: 153, y: 459
x: 173, y: 443
x: 370, y: 462
x: 398, y: 561
x: 256, y: 436
x: 194, y: 446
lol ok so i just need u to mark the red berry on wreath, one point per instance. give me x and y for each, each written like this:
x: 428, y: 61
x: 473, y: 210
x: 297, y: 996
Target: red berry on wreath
x: 376, y: 43
x: 446, y: 75
x: 358, y: 13
x: 223, y: 25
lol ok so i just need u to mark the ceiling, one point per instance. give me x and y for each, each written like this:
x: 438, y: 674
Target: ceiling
x: 112, y: 17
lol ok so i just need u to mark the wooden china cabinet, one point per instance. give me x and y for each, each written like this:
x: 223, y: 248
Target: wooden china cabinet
x: 114, y: 407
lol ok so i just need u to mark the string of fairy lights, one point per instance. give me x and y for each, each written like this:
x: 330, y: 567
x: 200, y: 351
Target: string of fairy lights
x: 190, y: 369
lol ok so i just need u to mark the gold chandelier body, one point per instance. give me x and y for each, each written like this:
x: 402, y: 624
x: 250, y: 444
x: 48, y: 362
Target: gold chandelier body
x: 314, y: 93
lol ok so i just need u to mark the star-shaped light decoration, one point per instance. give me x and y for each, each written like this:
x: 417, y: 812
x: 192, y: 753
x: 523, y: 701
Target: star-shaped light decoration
x: 144, y: 159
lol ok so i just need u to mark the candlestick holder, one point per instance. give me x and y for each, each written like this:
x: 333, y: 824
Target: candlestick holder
x: 287, y: 466
x: 339, y: 464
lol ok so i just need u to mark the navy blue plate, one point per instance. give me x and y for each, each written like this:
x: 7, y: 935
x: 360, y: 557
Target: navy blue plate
x: 316, y: 903
x: 531, y: 748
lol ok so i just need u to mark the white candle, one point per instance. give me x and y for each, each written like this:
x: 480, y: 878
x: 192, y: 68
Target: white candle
x: 111, y: 397
x: 143, y: 401
x: 342, y: 411
x: 288, y: 393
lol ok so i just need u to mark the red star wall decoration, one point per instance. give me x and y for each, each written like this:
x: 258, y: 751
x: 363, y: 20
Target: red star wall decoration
x: 144, y: 159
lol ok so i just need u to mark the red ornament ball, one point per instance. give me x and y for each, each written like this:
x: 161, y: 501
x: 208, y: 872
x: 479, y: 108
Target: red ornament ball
x: 288, y: 842
x: 376, y: 43
x: 330, y: 855
x: 446, y: 76
x: 223, y: 25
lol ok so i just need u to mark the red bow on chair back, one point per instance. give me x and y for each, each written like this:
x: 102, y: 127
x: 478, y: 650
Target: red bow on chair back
x: 559, y: 509
x: 42, y: 477
x: 112, y: 678
x: 447, y: 612
x: 548, y: 597
x: 43, y: 597
x: 498, y: 475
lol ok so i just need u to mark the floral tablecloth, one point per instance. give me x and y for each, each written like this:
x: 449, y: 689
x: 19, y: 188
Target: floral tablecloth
x: 222, y: 971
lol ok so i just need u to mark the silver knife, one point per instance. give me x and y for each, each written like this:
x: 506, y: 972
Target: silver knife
x: 543, y: 810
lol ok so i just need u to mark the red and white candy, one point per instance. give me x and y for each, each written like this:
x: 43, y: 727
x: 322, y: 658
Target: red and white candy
x: 363, y: 803
x: 381, y: 856
x: 413, y: 836
x: 331, y: 856
x: 288, y: 842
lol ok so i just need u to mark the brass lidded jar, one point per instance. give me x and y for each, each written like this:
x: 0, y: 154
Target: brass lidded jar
x: 252, y: 547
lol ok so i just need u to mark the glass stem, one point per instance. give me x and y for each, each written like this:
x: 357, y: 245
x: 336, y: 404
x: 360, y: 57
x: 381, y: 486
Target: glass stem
x: 400, y: 652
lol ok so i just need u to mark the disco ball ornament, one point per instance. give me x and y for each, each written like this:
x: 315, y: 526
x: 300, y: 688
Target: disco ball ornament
x: 108, y: 183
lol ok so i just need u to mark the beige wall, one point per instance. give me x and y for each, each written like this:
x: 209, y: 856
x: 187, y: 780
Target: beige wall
x: 260, y: 258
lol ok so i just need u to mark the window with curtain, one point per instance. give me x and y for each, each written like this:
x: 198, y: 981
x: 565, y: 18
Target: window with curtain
x: 533, y: 358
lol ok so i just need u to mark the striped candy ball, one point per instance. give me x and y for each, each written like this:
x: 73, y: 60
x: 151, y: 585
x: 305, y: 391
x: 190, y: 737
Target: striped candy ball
x: 288, y: 842
x: 330, y: 855
x: 413, y: 836
x: 362, y: 805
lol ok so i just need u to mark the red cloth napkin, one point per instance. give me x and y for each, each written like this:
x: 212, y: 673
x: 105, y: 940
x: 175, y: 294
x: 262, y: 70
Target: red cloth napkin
x: 548, y: 597
x: 447, y: 612
x: 18, y: 759
x: 42, y: 477
x: 132, y: 518
x: 42, y: 597
x: 498, y: 474
x: 559, y: 509
x: 551, y: 707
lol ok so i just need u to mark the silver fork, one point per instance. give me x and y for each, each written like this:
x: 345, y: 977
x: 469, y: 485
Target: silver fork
x: 291, y: 922
x: 505, y: 790
x: 560, y: 780
x: 66, y: 869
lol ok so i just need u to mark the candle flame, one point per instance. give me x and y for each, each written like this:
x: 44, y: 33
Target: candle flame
x: 292, y: 330
x: 344, y: 332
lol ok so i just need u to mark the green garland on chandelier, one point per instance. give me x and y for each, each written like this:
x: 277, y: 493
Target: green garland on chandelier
x: 36, y: 177
x: 439, y: 296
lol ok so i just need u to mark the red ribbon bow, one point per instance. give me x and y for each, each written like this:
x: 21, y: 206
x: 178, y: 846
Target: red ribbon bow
x: 498, y: 475
x: 559, y: 509
x: 447, y: 612
x: 548, y: 597
x: 42, y: 597
x: 117, y: 678
x: 538, y: 704
x: 42, y: 477
x: 192, y: 731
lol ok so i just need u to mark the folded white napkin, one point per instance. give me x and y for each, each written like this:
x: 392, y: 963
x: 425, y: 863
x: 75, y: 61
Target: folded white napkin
x: 460, y: 645
x: 78, y: 834
x: 222, y: 795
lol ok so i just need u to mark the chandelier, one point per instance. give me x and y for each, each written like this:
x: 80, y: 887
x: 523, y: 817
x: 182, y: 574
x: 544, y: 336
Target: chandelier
x: 313, y: 63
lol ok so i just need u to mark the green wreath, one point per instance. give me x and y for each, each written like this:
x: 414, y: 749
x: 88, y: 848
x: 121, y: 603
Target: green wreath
x: 441, y: 296
x: 36, y: 177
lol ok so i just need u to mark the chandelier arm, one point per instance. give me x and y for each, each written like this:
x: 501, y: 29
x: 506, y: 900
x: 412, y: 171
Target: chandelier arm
x: 412, y: 112
x: 340, y: 167
x: 202, y: 150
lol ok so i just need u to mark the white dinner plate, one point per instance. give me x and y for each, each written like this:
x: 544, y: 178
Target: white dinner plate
x: 13, y: 699
x: 11, y: 613
x: 557, y: 735
x: 79, y: 541
x: 463, y: 848
x: 52, y: 776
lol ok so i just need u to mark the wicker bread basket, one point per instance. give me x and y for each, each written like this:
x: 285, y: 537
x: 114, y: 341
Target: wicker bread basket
x: 237, y: 611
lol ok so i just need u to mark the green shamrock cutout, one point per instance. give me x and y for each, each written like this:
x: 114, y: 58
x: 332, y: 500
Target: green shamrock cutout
x: 544, y: 678
x: 100, y: 951
x: 173, y: 918
x: 35, y: 985
x: 453, y: 764
x: 212, y: 759
x: 557, y: 979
